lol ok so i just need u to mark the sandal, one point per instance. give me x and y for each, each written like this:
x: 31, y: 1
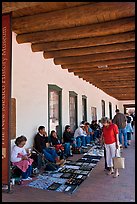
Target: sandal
x: 116, y: 175
x: 110, y: 172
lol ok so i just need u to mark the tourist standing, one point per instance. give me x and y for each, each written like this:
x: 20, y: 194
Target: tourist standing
x: 120, y: 120
x: 111, y: 142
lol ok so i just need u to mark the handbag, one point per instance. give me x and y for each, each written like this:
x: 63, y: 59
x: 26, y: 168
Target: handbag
x: 119, y: 162
x: 59, y: 147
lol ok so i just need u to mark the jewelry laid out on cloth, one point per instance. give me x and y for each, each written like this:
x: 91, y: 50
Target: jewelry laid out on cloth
x: 69, y: 177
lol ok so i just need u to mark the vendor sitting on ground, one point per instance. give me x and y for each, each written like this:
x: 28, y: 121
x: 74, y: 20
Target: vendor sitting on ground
x: 68, y: 141
x: 41, y: 144
x: 20, y: 158
x: 80, y: 136
x: 55, y: 142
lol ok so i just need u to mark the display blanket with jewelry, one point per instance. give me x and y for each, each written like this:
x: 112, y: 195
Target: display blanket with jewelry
x: 69, y: 177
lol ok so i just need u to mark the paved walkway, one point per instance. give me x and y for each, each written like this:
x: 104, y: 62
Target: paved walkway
x: 98, y: 187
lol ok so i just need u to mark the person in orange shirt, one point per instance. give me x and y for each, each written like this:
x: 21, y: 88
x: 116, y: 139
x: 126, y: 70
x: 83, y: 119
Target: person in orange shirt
x: 111, y: 142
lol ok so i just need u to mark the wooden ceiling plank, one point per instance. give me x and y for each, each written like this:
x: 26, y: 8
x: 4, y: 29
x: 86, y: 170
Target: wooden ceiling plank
x: 72, y: 17
x: 110, y: 78
x: 85, y: 42
x: 94, y: 57
x: 107, y: 74
x: 121, y: 83
x: 14, y: 6
x: 118, y: 87
x: 101, y: 85
x: 101, y: 29
x: 90, y: 50
x: 122, y: 88
x: 99, y: 63
x: 43, y: 7
x: 100, y: 71
x: 110, y: 67
x: 99, y: 77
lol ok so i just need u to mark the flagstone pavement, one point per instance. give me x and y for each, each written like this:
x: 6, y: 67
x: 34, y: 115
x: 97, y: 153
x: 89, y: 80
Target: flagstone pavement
x: 98, y: 187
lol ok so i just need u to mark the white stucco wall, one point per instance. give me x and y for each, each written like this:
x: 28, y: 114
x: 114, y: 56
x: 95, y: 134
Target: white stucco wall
x: 31, y: 74
x: 120, y: 103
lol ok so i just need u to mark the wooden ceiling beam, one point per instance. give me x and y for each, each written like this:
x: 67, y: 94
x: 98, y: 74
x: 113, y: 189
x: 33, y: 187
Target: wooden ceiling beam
x: 106, y: 78
x: 14, y: 6
x: 124, y: 95
x: 121, y: 89
x: 130, y: 70
x: 118, y: 92
x: 72, y: 17
x: 90, y: 50
x: 85, y: 42
x: 98, y: 29
x: 94, y: 57
x: 99, y: 63
x: 110, y: 78
x: 119, y: 84
x: 116, y: 82
x: 44, y: 7
x: 110, y: 67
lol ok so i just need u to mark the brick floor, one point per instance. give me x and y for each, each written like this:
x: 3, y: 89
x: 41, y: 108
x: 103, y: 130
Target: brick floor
x: 98, y: 187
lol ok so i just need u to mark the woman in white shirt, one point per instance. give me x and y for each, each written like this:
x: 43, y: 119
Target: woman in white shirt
x: 20, y: 158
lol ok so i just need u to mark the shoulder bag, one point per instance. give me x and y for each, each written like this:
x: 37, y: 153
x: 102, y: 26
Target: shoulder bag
x: 118, y: 162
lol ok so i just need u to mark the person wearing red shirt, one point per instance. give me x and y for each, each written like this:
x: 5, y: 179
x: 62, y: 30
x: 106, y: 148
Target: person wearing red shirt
x: 111, y: 142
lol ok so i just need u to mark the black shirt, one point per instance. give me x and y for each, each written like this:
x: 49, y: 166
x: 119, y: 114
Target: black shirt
x: 55, y: 141
x: 67, y: 137
x: 40, y: 142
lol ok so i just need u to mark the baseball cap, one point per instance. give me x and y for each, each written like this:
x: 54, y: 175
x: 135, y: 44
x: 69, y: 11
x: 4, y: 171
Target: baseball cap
x: 81, y: 125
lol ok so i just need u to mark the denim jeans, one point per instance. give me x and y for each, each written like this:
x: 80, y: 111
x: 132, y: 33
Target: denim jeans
x: 122, y: 131
x: 80, y: 141
x: 96, y: 134
x: 50, y: 154
x: 27, y: 173
x: 67, y: 148
x: 88, y: 140
x: 91, y: 137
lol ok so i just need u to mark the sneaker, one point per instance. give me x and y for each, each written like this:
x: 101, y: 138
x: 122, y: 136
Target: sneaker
x: 26, y: 179
x: 90, y: 145
x: 29, y: 178
x: 84, y: 147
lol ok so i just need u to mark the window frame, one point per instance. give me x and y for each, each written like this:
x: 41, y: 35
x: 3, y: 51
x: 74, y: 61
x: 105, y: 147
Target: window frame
x: 74, y: 94
x: 53, y: 87
x: 85, y: 108
x: 103, y: 108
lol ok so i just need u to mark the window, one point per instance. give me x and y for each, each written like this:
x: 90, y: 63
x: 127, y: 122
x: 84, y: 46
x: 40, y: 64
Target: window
x: 93, y: 113
x: 54, y: 109
x: 73, y: 110
x: 110, y: 110
x: 84, y: 108
x: 103, y: 108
